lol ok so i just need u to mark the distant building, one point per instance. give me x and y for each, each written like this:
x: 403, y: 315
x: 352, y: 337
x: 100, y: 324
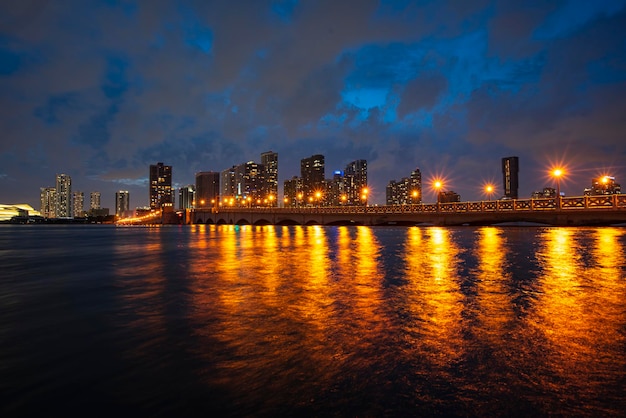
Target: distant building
x: 94, y: 200
x: 64, y: 196
x: 187, y: 196
x: 207, y: 191
x: 603, y: 185
x: 448, y: 197
x: 510, y: 176
x: 122, y: 203
x: 48, y: 199
x: 269, y: 160
x: 78, y: 202
x: 406, y: 191
x: 292, y: 192
x: 355, y: 182
x: 313, y: 178
x: 161, y: 194
x: 547, y: 192
x: 336, y: 193
x: 250, y: 183
x: 228, y: 185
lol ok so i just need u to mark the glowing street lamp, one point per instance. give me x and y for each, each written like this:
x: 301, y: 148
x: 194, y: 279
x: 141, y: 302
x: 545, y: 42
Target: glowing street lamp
x: 557, y: 173
x: 364, y: 194
x: 437, y: 185
x: 489, y: 191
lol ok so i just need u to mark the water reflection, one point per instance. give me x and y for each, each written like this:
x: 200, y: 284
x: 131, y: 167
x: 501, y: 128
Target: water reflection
x: 435, y: 297
x: 578, y: 313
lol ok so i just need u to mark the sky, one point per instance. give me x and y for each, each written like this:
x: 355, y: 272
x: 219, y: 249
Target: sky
x: 100, y: 90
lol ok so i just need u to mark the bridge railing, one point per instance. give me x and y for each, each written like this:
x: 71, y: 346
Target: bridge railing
x: 602, y: 202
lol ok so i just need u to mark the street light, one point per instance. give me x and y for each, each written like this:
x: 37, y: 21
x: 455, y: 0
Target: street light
x: 437, y: 185
x: 489, y: 191
x: 364, y: 193
x: 558, y: 173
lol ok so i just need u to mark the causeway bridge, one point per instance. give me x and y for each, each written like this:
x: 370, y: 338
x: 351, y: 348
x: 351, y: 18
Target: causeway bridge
x: 561, y: 211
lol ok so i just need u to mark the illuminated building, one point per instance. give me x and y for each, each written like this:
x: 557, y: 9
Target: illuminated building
x: 336, y: 194
x: 228, y: 184
x: 407, y: 191
x: 510, y: 176
x: 161, y: 195
x: 64, y: 196
x: 207, y: 190
x: 78, y: 202
x: 355, y: 181
x: 249, y: 181
x: 187, y: 196
x: 603, y: 185
x: 48, y: 198
x: 269, y: 160
x: 122, y: 203
x: 94, y: 200
x: 292, y: 191
x: 448, y: 197
x: 547, y: 192
x: 312, y: 174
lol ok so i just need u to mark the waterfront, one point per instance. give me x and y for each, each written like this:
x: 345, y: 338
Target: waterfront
x: 317, y: 321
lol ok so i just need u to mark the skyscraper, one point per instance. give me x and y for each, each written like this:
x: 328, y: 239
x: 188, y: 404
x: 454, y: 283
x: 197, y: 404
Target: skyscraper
x: 207, y: 188
x: 48, y: 198
x: 161, y: 195
x: 187, y: 197
x: 122, y: 202
x: 355, y: 181
x: 510, y: 170
x: 63, y: 196
x: 228, y: 184
x: 269, y: 160
x: 78, y: 201
x: 94, y: 200
x: 312, y: 174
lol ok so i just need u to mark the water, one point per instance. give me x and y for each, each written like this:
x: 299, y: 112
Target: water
x: 312, y: 321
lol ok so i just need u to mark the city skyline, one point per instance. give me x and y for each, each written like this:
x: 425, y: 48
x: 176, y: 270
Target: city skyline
x: 450, y: 88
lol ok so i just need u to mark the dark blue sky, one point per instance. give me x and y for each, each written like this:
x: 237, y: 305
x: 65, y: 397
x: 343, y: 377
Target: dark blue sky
x: 102, y: 89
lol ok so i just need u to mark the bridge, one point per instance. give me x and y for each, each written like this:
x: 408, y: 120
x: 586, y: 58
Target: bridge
x: 563, y: 211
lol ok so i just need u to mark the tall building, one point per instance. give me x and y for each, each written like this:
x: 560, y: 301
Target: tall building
x: 355, y: 181
x: 94, y: 200
x: 122, y: 202
x: 250, y: 183
x: 161, y: 195
x: 207, y: 188
x: 603, y: 185
x: 269, y: 160
x: 187, y: 197
x: 292, y: 192
x: 312, y: 174
x: 63, y: 196
x: 78, y: 202
x: 228, y: 185
x: 407, y: 191
x: 335, y: 190
x: 510, y: 176
x: 48, y: 199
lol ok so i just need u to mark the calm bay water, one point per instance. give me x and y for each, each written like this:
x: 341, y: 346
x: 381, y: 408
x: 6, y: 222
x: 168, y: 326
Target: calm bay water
x: 312, y: 321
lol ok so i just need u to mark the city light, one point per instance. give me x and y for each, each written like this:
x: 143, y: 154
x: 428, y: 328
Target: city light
x: 489, y: 189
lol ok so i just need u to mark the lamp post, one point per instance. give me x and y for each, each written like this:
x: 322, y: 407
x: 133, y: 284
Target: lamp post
x: 364, y: 195
x: 557, y: 173
x: 489, y: 191
x: 438, y: 185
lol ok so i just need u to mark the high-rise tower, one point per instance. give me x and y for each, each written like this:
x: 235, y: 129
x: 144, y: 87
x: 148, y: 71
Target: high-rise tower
x: 161, y: 195
x: 312, y: 174
x: 269, y: 160
x: 63, y: 196
x: 510, y: 172
x: 122, y: 202
x: 207, y: 188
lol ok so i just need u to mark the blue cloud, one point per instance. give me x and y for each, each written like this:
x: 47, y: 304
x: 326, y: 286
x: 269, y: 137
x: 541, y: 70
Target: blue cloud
x: 115, y: 83
x: 195, y: 34
x: 57, y: 104
x: 284, y: 9
x: 575, y: 14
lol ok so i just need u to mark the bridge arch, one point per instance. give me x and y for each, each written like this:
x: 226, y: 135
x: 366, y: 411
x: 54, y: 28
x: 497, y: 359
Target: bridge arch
x: 242, y: 221
x: 262, y: 221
